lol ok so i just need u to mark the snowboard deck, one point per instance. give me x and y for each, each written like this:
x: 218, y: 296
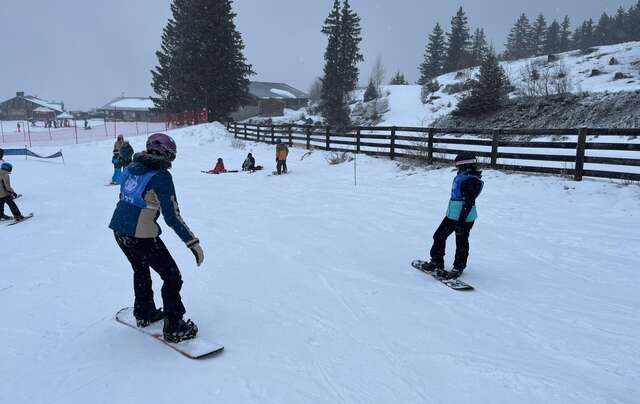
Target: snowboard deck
x: 195, y: 348
x: 455, y: 284
x: 276, y: 173
x: 27, y: 217
x: 226, y: 172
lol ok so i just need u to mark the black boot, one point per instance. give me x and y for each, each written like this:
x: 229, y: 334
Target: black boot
x: 5, y: 217
x: 454, y: 274
x: 148, y: 320
x: 176, y: 330
x: 433, y: 266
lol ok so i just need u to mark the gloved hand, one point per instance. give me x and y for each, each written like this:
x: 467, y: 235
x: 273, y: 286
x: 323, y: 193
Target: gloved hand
x: 460, y: 230
x: 14, y: 195
x: 195, y: 248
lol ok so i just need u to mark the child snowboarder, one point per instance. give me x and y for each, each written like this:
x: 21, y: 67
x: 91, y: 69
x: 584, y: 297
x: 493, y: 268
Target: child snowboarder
x: 7, y: 194
x: 460, y: 218
x: 147, y: 190
x: 282, y: 152
x: 219, y: 168
x: 250, y: 164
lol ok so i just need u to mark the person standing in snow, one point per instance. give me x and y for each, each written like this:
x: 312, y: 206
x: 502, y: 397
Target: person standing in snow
x: 18, y: 124
x: 7, y: 194
x: 126, y: 154
x: 147, y: 190
x: 116, y: 160
x: 282, y: 152
x: 461, y: 215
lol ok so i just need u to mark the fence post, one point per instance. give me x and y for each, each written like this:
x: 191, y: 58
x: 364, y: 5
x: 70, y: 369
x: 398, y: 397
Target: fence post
x: 357, y: 140
x: 494, y: 147
x: 308, y: 137
x: 392, y: 145
x: 235, y: 130
x: 430, y: 146
x: 328, y: 137
x: 258, y: 132
x: 75, y: 129
x: 582, y: 143
x: 273, y: 134
x: 245, y: 131
x: 290, y: 136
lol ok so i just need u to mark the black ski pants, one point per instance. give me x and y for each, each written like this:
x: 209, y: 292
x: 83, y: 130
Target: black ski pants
x: 281, y: 166
x: 145, y: 253
x: 12, y: 206
x: 445, y: 229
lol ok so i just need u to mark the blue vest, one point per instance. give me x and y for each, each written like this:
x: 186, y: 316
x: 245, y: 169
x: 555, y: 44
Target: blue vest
x: 133, y: 186
x: 457, y: 201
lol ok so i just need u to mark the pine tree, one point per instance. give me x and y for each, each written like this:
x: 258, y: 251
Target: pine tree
x: 552, y: 42
x: 619, y: 31
x: 342, y: 55
x: 488, y: 91
x: 457, y: 43
x: 633, y: 23
x: 565, y: 34
x: 371, y: 93
x: 519, y: 40
x: 538, y: 36
x: 588, y: 39
x: 201, y: 62
x: 399, y: 80
x: 479, y: 47
x: 434, y: 56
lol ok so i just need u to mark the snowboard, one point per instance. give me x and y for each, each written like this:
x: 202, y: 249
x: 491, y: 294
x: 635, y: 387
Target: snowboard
x: 196, y: 348
x: 226, y: 172
x: 276, y: 173
x: 27, y: 217
x: 455, y: 284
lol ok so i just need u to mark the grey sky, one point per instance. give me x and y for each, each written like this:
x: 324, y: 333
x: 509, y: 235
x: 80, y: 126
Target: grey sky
x: 85, y: 52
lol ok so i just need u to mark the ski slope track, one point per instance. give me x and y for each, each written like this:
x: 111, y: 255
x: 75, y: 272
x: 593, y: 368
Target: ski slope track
x: 307, y: 283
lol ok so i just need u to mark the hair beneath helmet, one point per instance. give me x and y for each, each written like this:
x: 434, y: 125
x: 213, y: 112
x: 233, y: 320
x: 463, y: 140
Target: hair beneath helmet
x: 162, y: 145
x: 466, y: 158
x: 6, y: 167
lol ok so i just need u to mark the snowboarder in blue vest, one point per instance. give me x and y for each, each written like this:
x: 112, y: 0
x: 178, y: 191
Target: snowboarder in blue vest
x: 146, y: 191
x: 461, y: 215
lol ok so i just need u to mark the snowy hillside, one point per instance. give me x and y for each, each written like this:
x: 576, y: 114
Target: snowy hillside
x: 307, y: 283
x: 586, y: 73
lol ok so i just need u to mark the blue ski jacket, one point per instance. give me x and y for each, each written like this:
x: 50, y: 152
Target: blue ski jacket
x: 146, y: 190
x: 467, y: 186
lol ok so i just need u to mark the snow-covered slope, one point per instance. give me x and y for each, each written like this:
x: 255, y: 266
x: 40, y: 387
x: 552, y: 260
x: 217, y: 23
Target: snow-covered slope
x: 307, y: 283
x: 407, y: 109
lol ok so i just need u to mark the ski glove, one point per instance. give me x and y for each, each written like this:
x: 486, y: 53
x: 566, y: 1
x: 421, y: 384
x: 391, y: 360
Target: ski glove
x: 195, y: 248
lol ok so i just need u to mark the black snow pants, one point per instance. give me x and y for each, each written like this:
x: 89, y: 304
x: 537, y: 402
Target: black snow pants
x: 12, y: 206
x: 447, y: 227
x: 144, y: 253
x: 282, y: 166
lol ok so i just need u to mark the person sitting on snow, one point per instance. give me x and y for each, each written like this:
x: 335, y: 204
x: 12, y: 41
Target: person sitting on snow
x: 250, y: 164
x: 219, y: 168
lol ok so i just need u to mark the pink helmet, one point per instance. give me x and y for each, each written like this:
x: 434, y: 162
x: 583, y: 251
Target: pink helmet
x: 162, y: 145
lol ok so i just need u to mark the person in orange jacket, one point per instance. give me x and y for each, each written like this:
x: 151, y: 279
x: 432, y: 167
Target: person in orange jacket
x: 282, y: 151
x: 219, y: 168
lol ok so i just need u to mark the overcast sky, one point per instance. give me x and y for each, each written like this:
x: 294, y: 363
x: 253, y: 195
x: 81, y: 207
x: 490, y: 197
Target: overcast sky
x: 86, y: 52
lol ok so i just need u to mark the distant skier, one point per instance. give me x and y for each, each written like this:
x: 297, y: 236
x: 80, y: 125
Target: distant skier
x: 219, y: 168
x: 147, y: 189
x: 18, y: 124
x: 460, y: 218
x: 7, y: 194
x: 282, y: 152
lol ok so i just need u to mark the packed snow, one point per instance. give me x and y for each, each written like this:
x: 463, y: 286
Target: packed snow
x: 307, y: 283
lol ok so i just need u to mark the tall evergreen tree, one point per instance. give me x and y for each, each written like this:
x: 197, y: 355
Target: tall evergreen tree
x: 565, y: 34
x: 457, y: 43
x: 434, y: 56
x: 552, y: 42
x: 619, y: 31
x: 602, y: 34
x: 479, y: 47
x: 371, y: 93
x: 399, y: 80
x: 538, y: 36
x: 488, y: 91
x: 342, y: 55
x: 519, y: 40
x: 633, y: 23
x: 201, y: 62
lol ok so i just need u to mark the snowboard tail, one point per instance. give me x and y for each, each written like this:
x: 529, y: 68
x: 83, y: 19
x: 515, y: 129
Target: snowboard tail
x: 196, y: 348
x: 26, y: 217
x: 455, y: 284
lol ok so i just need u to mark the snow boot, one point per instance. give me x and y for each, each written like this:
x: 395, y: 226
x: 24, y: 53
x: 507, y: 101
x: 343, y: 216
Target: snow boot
x: 5, y: 217
x: 145, y: 322
x: 176, y: 330
x: 432, y: 266
x: 454, y: 274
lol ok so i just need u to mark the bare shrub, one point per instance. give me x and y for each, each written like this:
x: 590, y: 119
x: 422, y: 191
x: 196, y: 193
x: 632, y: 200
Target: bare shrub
x: 238, y: 144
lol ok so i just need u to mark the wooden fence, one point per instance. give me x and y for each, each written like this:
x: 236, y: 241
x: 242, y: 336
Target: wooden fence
x: 576, y: 152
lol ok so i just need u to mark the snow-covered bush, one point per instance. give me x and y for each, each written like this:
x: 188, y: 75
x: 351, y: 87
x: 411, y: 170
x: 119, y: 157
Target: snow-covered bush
x: 335, y: 158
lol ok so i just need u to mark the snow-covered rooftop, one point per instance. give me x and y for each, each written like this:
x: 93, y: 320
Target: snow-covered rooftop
x: 57, y: 107
x: 130, y: 104
x: 265, y: 90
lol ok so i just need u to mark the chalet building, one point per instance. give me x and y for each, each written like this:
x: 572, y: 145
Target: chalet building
x: 270, y: 99
x: 131, y: 109
x: 28, y: 107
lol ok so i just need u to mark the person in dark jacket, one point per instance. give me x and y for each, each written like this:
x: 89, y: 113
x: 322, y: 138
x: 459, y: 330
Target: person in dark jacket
x: 249, y: 163
x: 126, y: 154
x: 147, y: 190
x: 461, y: 215
x: 7, y: 194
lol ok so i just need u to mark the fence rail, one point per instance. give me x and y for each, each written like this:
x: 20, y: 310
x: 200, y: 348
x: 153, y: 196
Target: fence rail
x: 578, y: 152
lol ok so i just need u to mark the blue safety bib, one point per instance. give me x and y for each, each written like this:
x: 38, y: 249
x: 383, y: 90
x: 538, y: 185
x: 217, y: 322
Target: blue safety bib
x: 457, y: 201
x: 133, y: 186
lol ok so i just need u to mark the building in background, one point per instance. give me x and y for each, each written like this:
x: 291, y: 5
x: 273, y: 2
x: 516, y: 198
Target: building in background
x: 27, y: 107
x: 131, y: 109
x: 269, y: 100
